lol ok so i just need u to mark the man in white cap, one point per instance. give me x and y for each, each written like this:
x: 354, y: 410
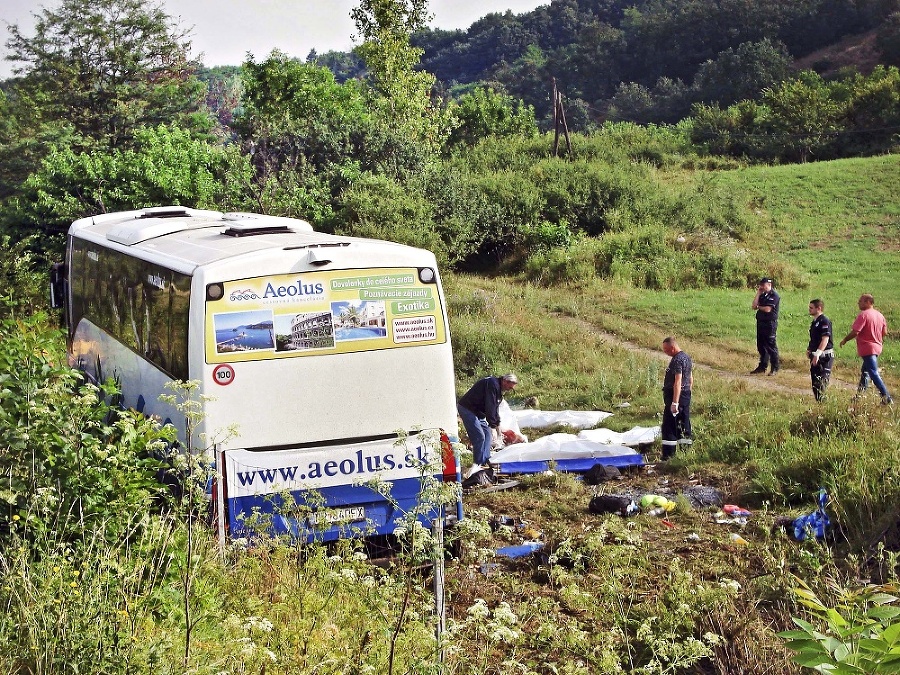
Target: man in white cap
x: 479, y: 409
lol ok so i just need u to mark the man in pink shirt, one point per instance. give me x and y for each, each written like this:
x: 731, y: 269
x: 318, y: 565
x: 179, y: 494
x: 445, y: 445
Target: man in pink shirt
x: 869, y: 331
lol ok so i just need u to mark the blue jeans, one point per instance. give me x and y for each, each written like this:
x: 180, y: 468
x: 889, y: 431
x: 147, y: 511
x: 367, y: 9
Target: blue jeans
x: 479, y: 434
x: 870, y: 371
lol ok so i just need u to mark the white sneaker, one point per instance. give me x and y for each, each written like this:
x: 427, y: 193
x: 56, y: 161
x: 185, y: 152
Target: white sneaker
x: 475, y: 468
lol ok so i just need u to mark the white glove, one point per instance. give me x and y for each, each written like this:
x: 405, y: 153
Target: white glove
x: 674, y: 408
x: 496, y: 439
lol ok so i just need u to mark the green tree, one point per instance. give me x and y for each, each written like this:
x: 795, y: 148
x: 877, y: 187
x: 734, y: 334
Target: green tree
x: 401, y: 93
x: 802, y: 115
x: 164, y: 166
x: 106, y: 68
x: 888, y: 39
x: 304, y: 133
x: 742, y: 73
x: 484, y: 112
x: 296, y: 114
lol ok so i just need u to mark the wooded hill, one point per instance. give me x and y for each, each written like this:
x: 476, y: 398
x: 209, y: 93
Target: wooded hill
x: 644, y: 60
x: 120, y: 126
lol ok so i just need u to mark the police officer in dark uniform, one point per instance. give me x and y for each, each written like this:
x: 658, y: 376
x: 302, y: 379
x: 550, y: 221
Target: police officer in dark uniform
x: 766, y: 305
x: 820, y: 350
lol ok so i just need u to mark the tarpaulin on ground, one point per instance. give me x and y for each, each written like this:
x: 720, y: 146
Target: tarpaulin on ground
x: 541, y: 419
x: 632, y: 437
x: 568, y: 452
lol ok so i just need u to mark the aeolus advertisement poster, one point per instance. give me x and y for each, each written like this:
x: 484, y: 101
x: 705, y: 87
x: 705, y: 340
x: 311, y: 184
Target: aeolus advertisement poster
x: 336, y: 312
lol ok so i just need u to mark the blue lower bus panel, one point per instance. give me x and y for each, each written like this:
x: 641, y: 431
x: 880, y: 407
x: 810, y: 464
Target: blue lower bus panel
x: 327, y: 514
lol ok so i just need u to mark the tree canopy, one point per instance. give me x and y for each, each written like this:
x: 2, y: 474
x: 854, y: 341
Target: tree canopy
x: 105, y: 68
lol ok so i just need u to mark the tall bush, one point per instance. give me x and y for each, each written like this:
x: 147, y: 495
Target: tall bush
x: 67, y: 461
x: 164, y: 166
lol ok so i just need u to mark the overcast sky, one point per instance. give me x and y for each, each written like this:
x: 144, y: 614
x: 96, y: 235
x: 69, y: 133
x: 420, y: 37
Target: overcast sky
x: 225, y: 30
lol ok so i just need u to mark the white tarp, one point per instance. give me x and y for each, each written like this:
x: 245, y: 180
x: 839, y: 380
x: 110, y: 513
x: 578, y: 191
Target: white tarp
x: 560, y: 447
x: 540, y: 419
x: 634, y: 436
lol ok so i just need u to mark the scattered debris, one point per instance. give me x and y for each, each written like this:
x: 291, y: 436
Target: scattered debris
x: 651, y: 502
x: 520, y: 550
x: 502, y: 521
x: 481, y: 478
x: 600, y: 473
x: 816, y: 523
x: 488, y: 569
x: 621, y: 505
x: 701, y: 496
x: 721, y: 519
x: 500, y: 485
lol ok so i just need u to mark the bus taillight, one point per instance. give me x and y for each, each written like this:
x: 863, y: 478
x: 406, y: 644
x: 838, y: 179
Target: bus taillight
x: 448, y: 456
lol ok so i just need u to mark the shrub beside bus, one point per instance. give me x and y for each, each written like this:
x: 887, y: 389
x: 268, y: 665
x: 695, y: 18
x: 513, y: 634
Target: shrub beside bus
x: 330, y: 356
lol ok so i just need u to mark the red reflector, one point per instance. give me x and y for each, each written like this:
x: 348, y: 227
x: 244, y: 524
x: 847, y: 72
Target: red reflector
x: 449, y: 459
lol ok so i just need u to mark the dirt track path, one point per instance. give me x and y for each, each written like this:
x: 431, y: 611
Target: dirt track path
x: 756, y: 381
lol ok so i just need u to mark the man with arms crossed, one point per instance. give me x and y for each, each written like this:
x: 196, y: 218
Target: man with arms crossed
x: 869, y: 331
x: 766, y: 304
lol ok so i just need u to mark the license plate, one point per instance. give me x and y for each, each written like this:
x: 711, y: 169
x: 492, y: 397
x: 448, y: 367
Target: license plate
x: 350, y: 514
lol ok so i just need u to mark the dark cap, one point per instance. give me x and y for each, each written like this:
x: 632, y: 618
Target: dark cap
x: 766, y: 280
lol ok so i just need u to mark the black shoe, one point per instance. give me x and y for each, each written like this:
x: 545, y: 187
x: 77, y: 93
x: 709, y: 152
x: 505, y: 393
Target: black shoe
x: 887, y: 400
x: 773, y: 371
x: 757, y: 370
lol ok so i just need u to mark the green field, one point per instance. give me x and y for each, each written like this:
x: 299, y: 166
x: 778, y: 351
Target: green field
x: 606, y: 594
x: 834, y: 230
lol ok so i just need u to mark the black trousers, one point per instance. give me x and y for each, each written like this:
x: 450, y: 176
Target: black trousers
x: 765, y: 344
x: 676, y: 429
x: 820, y: 374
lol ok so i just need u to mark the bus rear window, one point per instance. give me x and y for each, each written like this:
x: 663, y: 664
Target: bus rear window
x: 327, y: 312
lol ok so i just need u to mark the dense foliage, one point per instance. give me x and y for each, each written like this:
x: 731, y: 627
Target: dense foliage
x: 806, y: 118
x: 91, y: 75
x: 381, y: 155
x: 68, y: 463
x: 632, y: 233
x: 599, y: 51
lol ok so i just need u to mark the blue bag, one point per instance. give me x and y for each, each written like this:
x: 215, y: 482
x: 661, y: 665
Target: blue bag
x: 816, y: 522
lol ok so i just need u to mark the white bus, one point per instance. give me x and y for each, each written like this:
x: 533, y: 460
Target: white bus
x: 329, y: 355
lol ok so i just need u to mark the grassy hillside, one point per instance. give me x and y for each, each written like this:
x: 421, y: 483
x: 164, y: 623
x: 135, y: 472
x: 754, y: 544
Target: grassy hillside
x: 833, y: 229
x: 829, y: 230
x: 605, y: 594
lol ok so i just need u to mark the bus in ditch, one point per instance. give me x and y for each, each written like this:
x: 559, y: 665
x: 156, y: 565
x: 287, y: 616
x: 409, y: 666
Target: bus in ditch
x: 328, y: 356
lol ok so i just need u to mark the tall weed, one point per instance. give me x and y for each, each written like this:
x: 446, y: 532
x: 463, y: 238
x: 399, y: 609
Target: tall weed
x: 67, y: 459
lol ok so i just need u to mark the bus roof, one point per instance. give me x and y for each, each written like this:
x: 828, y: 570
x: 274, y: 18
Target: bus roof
x: 193, y: 238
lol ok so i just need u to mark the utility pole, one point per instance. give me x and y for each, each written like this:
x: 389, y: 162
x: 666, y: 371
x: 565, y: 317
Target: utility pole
x: 559, y: 121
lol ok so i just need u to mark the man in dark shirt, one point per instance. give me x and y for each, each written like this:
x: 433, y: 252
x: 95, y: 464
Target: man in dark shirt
x: 677, y: 385
x: 820, y: 350
x: 479, y: 410
x: 766, y: 305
